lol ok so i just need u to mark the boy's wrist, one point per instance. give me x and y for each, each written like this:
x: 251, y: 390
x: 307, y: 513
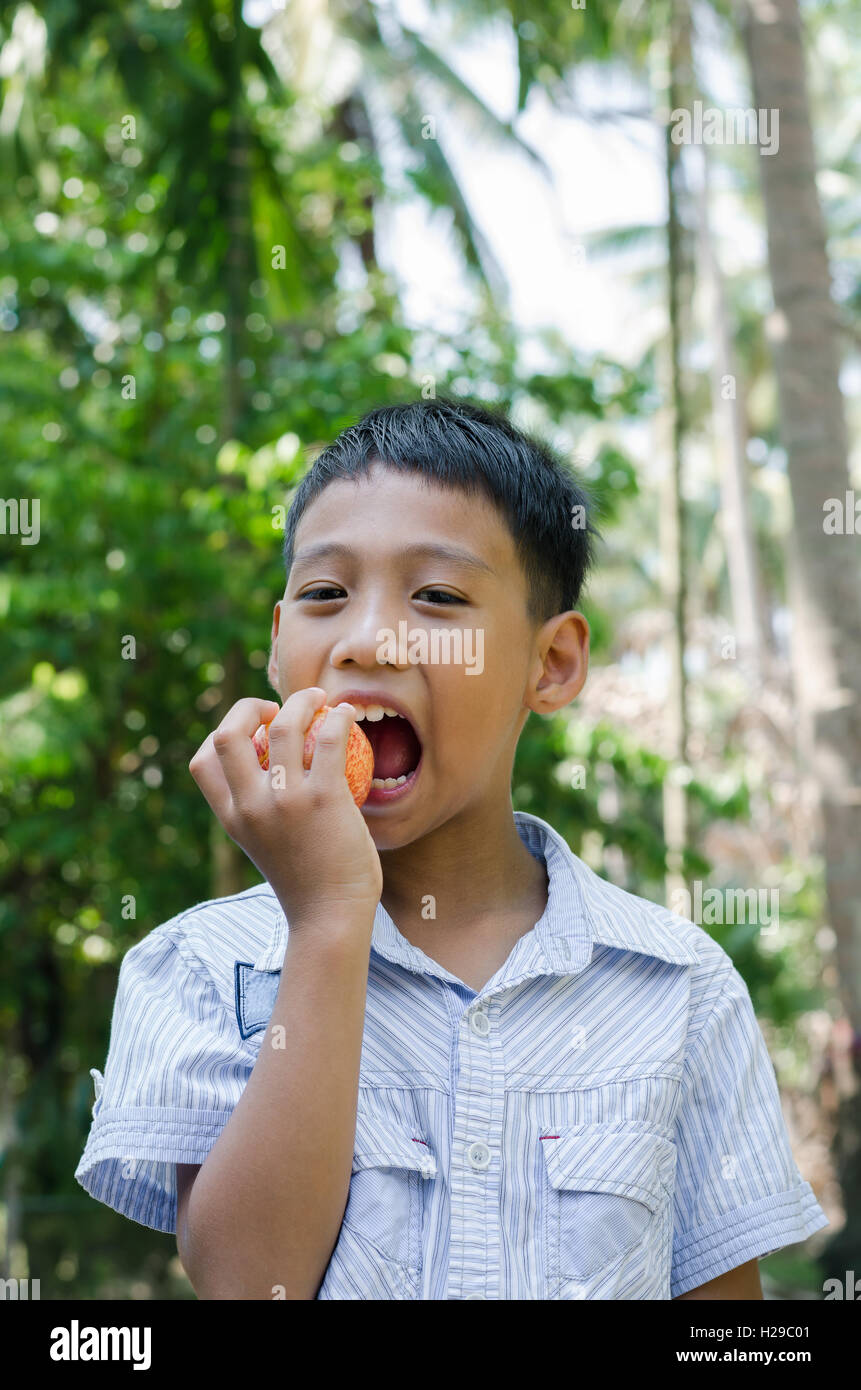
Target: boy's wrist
x: 332, y: 924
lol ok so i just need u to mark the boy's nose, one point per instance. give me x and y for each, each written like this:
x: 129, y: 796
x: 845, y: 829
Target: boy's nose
x: 364, y: 636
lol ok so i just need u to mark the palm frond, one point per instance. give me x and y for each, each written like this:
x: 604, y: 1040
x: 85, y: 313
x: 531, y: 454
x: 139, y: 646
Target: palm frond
x: 615, y: 240
x: 429, y: 62
x: 437, y: 181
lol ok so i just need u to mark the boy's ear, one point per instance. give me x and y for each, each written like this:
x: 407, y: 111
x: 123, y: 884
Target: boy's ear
x: 560, y: 663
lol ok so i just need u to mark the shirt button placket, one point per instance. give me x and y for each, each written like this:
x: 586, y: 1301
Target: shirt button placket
x: 479, y: 1021
x: 478, y: 1110
x: 479, y: 1156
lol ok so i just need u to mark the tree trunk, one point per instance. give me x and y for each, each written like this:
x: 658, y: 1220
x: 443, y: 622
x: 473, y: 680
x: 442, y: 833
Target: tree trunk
x: 351, y: 122
x: 731, y: 439
x: 826, y: 582
x: 675, y: 804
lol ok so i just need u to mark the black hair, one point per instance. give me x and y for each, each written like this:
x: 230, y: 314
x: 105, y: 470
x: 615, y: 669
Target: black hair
x: 457, y: 444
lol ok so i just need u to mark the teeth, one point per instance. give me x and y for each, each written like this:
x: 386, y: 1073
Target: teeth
x: 373, y: 712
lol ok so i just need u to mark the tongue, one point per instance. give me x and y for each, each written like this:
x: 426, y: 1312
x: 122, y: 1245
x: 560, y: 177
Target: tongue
x: 393, y: 743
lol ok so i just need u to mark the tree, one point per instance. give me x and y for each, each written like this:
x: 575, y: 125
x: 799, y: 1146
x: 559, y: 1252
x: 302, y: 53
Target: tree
x: 825, y: 567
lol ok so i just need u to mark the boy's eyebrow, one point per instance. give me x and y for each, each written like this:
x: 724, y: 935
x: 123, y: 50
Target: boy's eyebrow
x: 335, y: 550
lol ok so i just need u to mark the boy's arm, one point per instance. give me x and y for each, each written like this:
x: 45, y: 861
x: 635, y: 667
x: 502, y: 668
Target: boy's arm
x: 263, y: 1214
x: 265, y: 1208
x: 185, y: 1176
x: 739, y: 1283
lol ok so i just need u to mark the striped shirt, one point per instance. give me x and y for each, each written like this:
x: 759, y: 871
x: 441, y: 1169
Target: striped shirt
x: 600, y: 1120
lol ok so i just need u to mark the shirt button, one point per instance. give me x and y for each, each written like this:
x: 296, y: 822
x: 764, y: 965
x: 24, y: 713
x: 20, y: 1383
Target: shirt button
x: 478, y: 1155
x: 479, y: 1022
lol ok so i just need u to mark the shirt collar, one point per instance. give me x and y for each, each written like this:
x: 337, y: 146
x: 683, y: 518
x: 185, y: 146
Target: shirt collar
x: 582, y: 910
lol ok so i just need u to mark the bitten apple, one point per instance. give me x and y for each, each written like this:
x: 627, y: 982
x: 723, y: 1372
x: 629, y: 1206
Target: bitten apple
x: 359, y: 769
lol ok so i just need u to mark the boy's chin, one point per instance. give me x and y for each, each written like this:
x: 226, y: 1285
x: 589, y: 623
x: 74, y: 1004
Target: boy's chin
x: 390, y: 837
x: 396, y: 831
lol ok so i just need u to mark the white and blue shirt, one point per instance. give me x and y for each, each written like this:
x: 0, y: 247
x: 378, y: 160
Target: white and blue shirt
x: 600, y: 1120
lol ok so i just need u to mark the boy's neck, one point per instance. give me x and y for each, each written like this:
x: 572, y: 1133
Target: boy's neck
x: 478, y: 872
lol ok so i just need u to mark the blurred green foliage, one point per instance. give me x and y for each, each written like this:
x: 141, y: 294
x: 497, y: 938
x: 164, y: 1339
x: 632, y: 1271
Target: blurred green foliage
x: 156, y: 527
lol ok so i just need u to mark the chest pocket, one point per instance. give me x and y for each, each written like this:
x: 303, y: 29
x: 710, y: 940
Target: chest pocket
x: 607, y: 1211
x: 379, y: 1250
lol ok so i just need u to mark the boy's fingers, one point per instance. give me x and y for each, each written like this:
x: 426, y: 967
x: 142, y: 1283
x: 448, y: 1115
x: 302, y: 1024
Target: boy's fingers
x: 287, y: 732
x: 329, y: 761
x: 226, y: 762
x: 207, y: 772
x: 231, y: 741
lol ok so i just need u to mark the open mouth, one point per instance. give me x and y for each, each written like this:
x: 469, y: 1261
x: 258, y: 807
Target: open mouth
x: 397, y: 751
x: 395, y: 743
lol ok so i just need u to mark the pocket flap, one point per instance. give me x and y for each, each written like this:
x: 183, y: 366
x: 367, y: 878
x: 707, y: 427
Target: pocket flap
x: 619, y: 1158
x: 385, y: 1143
x: 255, y: 992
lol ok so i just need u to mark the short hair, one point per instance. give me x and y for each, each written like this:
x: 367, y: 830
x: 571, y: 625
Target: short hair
x: 459, y: 445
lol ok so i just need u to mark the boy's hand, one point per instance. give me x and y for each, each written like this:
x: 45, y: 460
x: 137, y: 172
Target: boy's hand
x: 306, y: 835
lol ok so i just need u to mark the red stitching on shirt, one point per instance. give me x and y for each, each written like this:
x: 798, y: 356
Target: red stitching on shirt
x: 421, y: 1141
x: 548, y: 1136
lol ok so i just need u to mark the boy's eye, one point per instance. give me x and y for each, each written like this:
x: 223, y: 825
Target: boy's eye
x: 440, y: 595
x: 326, y: 591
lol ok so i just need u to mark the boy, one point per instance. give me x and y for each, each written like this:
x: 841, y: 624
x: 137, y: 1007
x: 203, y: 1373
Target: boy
x: 434, y: 1056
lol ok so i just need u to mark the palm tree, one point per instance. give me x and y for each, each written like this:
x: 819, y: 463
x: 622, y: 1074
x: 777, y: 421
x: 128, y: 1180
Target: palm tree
x: 402, y: 78
x: 826, y: 574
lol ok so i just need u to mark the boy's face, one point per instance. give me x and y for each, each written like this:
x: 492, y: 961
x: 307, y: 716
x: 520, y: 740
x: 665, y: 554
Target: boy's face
x: 379, y: 533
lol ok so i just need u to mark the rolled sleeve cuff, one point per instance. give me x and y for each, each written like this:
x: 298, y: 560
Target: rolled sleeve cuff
x: 747, y: 1234
x: 128, y: 1162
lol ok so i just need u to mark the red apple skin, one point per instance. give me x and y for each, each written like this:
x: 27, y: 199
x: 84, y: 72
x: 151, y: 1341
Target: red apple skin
x: 359, y: 769
x: 260, y: 739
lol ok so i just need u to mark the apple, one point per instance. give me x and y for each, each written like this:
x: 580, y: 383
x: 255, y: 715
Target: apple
x: 359, y: 769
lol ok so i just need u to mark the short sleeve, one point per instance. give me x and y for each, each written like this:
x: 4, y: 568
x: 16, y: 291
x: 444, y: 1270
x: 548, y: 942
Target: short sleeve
x: 739, y: 1195
x: 173, y: 1076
